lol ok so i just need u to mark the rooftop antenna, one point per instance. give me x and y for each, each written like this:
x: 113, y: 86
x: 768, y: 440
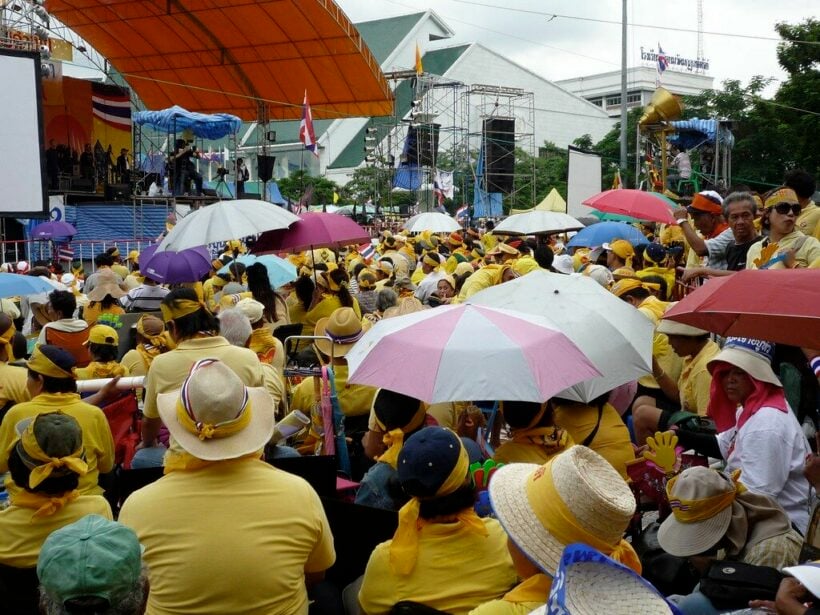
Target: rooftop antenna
x: 700, y: 34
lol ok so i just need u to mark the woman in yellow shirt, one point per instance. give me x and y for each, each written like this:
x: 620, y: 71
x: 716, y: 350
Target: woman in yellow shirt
x: 535, y: 438
x: 330, y: 294
x: 299, y: 300
x: 103, y: 344
x: 152, y: 340
x: 103, y: 299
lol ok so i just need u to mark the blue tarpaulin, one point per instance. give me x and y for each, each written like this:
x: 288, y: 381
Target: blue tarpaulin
x: 177, y: 119
x: 691, y: 133
x: 408, y: 177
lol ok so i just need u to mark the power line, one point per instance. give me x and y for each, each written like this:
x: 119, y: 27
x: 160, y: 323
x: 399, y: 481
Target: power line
x: 636, y: 25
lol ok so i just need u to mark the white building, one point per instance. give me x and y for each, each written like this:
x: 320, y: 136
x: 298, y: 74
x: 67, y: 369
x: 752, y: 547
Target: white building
x: 604, y: 89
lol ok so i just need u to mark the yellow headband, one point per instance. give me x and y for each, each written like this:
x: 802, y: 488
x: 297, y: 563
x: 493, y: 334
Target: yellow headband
x: 404, y: 549
x: 74, y: 462
x: 44, y: 366
x: 558, y: 520
x: 5, y: 340
x: 394, y: 439
x: 181, y: 308
x: 431, y: 261
x: 692, y: 511
x: 206, y: 431
x: 629, y: 284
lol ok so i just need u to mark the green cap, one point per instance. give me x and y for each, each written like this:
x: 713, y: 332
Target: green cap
x: 90, y: 557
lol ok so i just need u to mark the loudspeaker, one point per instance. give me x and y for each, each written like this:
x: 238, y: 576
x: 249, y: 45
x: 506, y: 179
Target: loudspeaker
x: 499, y: 154
x: 210, y: 192
x: 78, y: 183
x: 117, y: 192
x: 264, y: 167
x: 422, y: 144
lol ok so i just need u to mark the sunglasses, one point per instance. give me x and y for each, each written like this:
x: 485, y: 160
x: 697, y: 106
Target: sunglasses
x: 785, y: 208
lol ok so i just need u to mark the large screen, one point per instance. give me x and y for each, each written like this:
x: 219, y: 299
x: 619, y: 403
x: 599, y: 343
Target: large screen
x: 583, y: 180
x: 22, y: 158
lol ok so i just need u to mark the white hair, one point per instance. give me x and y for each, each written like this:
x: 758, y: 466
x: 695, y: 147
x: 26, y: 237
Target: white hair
x: 234, y: 326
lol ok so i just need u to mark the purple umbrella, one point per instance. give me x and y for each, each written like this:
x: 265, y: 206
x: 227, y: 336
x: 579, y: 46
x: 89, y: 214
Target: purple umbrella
x: 175, y: 267
x: 313, y: 230
x: 52, y: 229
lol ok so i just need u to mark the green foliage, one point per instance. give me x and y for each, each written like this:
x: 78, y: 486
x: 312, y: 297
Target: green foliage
x: 610, y: 150
x: 294, y: 186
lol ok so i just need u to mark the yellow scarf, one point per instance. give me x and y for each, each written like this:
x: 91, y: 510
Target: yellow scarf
x: 40, y: 472
x: 5, y: 340
x: 43, y: 505
x: 394, y: 439
x: 534, y: 589
x: 549, y: 437
x: 110, y: 369
x: 404, y: 548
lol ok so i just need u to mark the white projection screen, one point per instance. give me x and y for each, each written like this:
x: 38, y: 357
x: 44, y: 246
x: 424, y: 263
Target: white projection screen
x: 22, y: 146
x: 583, y: 180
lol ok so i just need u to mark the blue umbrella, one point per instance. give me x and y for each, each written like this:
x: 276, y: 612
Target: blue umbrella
x: 53, y: 229
x: 14, y: 285
x: 605, y: 232
x: 280, y: 271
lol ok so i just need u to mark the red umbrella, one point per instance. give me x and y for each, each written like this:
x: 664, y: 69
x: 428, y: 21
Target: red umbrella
x: 638, y: 204
x: 312, y: 230
x: 771, y: 304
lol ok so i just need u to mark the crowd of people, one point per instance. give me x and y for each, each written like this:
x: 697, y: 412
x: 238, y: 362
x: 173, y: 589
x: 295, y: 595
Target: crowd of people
x: 224, y: 531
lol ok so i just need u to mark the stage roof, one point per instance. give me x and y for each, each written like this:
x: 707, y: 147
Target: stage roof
x: 224, y: 56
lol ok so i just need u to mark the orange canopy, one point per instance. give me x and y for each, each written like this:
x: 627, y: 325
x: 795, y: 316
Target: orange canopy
x: 228, y: 56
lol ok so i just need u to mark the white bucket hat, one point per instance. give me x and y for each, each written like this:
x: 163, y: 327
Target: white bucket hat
x: 809, y: 576
x: 752, y: 356
x: 580, y: 481
x: 588, y: 583
x: 214, y: 416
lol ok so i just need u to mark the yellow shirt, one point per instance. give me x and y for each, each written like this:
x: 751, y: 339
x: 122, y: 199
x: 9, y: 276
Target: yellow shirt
x: 233, y: 537
x: 527, y: 452
x: 275, y: 385
x: 13, y: 384
x: 94, y: 369
x: 209, y: 290
x: 612, y: 439
x: 456, y: 571
x: 518, y: 601
x: 695, y: 380
x: 481, y: 279
x: 169, y: 370
x: 134, y: 363
x: 263, y: 343
x: 653, y: 308
x: 297, y: 313
x: 809, y: 250
x: 22, y: 536
x: 329, y: 304
x: 91, y: 313
x: 97, y: 440
x: 418, y: 276
x: 489, y: 241
x: 354, y: 399
x: 809, y: 219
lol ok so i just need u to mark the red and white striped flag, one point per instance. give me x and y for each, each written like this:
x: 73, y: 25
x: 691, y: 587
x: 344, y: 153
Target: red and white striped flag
x: 367, y: 251
x: 306, y: 133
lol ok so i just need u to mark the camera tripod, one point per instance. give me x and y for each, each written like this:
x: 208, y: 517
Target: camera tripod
x: 221, y: 182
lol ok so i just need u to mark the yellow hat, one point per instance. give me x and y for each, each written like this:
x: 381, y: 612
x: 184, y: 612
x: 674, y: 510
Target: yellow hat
x: 580, y: 258
x: 625, y: 285
x: 524, y: 265
x: 343, y: 328
x: 134, y: 256
x: 463, y: 268
x: 621, y: 248
x: 103, y: 334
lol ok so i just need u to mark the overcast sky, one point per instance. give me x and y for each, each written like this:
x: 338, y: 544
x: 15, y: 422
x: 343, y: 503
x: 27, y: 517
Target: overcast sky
x: 562, y: 48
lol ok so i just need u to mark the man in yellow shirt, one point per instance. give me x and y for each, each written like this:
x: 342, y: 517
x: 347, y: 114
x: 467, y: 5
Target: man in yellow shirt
x: 689, y: 395
x: 804, y: 186
x: 575, y: 497
x: 442, y: 554
x: 46, y: 460
x: 12, y: 378
x: 52, y: 388
x: 785, y: 247
x: 223, y: 531
x: 195, y: 332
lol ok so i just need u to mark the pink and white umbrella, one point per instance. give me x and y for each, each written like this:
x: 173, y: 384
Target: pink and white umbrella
x: 469, y: 352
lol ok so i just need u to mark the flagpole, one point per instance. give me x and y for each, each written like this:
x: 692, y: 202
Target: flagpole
x: 624, y: 135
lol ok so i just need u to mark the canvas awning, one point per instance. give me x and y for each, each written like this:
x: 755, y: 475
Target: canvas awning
x: 214, y: 56
x: 552, y: 202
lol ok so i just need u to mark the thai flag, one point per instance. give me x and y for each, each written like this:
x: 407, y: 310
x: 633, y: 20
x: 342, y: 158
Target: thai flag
x: 663, y: 63
x: 367, y: 251
x: 111, y: 104
x: 437, y: 190
x: 65, y: 253
x: 306, y: 133
x: 463, y: 213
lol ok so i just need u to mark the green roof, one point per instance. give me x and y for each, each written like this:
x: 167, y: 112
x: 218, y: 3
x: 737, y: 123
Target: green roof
x: 382, y: 35
x: 435, y: 62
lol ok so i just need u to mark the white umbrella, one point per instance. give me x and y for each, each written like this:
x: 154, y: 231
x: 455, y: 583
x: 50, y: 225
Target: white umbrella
x: 468, y: 352
x: 432, y: 221
x: 614, y: 335
x: 532, y: 222
x: 224, y: 221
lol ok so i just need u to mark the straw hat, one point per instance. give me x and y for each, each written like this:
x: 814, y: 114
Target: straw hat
x: 752, y: 356
x: 343, y: 328
x: 671, y: 327
x: 590, y: 488
x: 407, y: 305
x: 588, y: 583
x: 683, y: 538
x: 214, y: 416
x: 106, y: 285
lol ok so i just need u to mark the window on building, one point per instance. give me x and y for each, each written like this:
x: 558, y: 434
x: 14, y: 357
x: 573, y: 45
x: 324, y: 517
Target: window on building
x: 634, y: 97
x: 613, y: 101
x: 598, y: 101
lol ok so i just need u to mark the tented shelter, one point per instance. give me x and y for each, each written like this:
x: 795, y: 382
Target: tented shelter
x: 231, y: 56
x: 176, y: 119
x: 552, y: 202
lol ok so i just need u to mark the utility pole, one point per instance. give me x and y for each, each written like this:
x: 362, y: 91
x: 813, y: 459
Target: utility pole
x: 624, y: 135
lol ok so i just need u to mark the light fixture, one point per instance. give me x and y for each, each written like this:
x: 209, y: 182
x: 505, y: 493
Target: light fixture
x: 371, y: 130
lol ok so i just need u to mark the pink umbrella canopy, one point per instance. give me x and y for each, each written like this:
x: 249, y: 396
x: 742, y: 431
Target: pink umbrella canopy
x: 638, y: 204
x: 312, y: 230
x: 469, y: 352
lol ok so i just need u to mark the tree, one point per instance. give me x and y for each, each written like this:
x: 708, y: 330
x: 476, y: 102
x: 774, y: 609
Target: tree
x: 294, y: 186
x: 610, y: 150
